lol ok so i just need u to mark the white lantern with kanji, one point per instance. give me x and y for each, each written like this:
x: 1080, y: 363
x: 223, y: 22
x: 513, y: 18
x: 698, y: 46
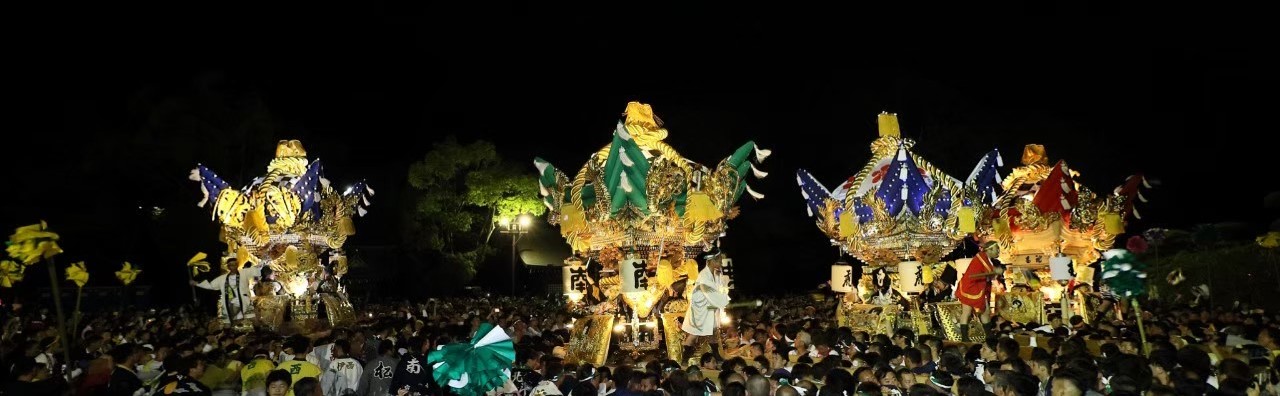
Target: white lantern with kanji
x: 910, y: 277
x: 1060, y: 268
x: 634, y: 275
x: 842, y: 280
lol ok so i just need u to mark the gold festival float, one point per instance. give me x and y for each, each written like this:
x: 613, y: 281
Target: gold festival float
x: 900, y: 215
x: 642, y: 212
x: 1045, y: 213
x: 284, y: 234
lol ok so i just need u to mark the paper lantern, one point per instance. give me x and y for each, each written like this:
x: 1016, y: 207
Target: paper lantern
x: 910, y: 277
x: 576, y: 279
x: 1113, y: 223
x: 842, y: 278
x: 635, y: 277
x: 968, y: 223
x: 848, y: 225
x: 1060, y: 268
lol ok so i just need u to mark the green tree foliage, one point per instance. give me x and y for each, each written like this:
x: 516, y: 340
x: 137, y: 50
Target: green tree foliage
x: 457, y: 192
x: 1241, y: 272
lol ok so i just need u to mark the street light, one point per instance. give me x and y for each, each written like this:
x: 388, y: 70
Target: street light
x: 517, y: 229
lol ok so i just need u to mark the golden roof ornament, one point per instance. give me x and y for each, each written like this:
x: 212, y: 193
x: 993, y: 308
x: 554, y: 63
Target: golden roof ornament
x: 639, y: 193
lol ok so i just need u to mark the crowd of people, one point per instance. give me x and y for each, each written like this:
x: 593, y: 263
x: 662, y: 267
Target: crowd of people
x: 785, y: 347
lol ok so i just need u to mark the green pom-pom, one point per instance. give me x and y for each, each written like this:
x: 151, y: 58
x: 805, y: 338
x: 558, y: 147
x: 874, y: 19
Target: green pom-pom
x: 1122, y: 271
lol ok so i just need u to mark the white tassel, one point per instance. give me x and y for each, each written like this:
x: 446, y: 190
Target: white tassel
x: 1065, y: 187
x: 905, y: 191
x: 195, y: 175
x: 1144, y: 182
x: 999, y: 179
x: 759, y: 174
x: 369, y: 189
x: 999, y: 159
x: 804, y: 194
x: 993, y: 196
x: 753, y: 193
x: 204, y: 196
x: 809, y: 209
x: 1065, y: 205
x: 761, y: 154
x: 622, y: 131
x: 324, y: 183
x: 361, y: 211
x: 541, y: 165
x: 902, y: 173
x: 799, y: 180
x: 548, y: 205
x: 1141, y: 198
x: 622, y: 155
x: 626, y: 184
x: 902, y: 154
x: 543, y: 189
x: 365, y: 199
x: 1136, y: 215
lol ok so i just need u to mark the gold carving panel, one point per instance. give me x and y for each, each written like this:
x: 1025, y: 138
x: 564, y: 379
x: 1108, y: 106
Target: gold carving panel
x: 589, y: 341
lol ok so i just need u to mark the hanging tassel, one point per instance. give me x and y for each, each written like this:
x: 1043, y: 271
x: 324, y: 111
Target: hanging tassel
x: 753, y: 193
x: 759, y: 174
x: 361, y: 211
x: 1144, y: 182
x: 1140, y: 197
x: 548, y: 205
x: 622, y: 131
x: 324, y: 183
x: 902, y: 173
x: 543, y: 189
x: 799, y: 180
x: 999, y: 180
x: 902, y: 153
x: 622, y: 155
x: 809, y: 209
x: 804, y: 194
x: 1136, y: 215
x: 905, y: 191
x: 993, y: 196
x: 369, y: 189
x: 1065, y: 187
x: 1065, y: 205
x: 761, y: 154
x: 626, y: 184
x: 365, y: 199
x: 999, y: 159
x: 205, y: 196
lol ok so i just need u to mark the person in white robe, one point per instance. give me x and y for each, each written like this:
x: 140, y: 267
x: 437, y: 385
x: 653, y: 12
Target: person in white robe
x: 236, y: 300
x: 709, y: 296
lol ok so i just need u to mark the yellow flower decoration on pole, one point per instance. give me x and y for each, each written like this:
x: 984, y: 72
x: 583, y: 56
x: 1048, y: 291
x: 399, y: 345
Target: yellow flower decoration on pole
x: 127, y: 274
x: 33, y: 243
x: 78, y: 274
x: 1270, y: 241
x: 198, y: 264
x: 10, y: 273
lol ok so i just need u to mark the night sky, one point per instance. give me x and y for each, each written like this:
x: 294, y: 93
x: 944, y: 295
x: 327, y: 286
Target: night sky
x: 124, y: 102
